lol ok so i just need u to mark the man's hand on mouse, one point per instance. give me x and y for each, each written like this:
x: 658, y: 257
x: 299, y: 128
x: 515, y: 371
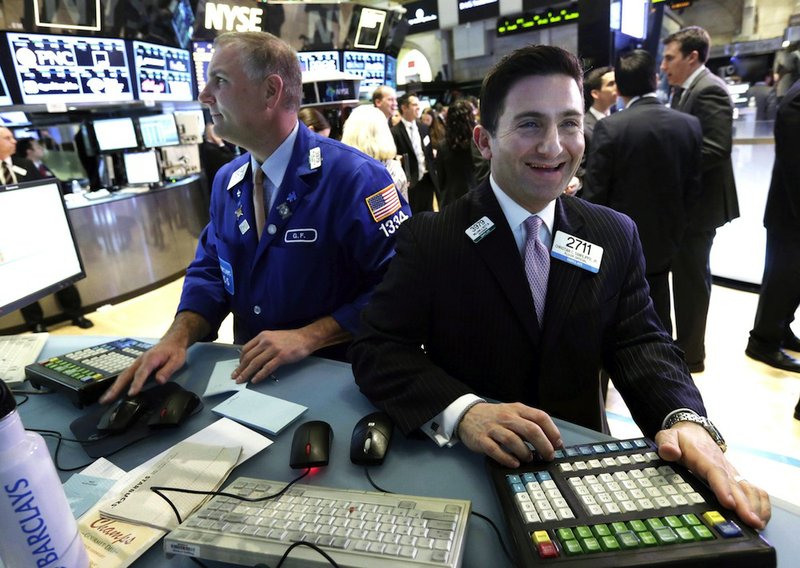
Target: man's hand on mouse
x: 160, y: 361
x: 501, y: 430
x: 690, y: 445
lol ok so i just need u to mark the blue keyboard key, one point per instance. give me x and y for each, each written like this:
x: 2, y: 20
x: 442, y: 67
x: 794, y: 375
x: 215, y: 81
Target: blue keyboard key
x: 599, y: 449
x: 559, y: 454
x: 728, y: 529
x: 585, y: 450
x: 640, y: 443
x: 513, y: 479
x: 518, y: 488
x: 612, y: 447
x: 571, y: 452
x: 543, y: 476
x: 528, y: 477
x: 626, y: 445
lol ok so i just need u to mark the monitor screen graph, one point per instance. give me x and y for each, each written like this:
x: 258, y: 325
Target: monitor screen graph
x: 158, y: 130
x: 47, y: 258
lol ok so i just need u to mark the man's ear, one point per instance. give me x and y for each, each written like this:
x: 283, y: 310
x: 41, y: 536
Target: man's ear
x: 482, y: 140
x: 272, y: 90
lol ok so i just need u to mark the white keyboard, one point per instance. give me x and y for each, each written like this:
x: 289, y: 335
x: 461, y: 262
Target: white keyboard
x: 16, y: 351
x: 356, y: 528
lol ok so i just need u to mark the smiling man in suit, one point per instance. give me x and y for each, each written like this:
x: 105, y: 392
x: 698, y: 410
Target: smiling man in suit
x: 705, y: 96
x: 518, y: 294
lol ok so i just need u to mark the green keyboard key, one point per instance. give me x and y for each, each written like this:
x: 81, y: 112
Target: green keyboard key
x: 628, y: 540
x: 690, y: 519
x: 647, y: 538
x: 654, y: 524
x: 565, y: 534
x: 673, y: 521
x: 584, y: 532
x: 666, y: 535
x: 637, y: 526
x: 591, y: 544
x: 702, y: 532
x: 685, y: 534
x: 571, y: 547
x: 609, y: 543
x: 601, y: 530
x: 618, y: 527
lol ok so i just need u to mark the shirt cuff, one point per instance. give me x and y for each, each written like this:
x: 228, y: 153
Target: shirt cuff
x: 668, y: 416
x: 440, y: 427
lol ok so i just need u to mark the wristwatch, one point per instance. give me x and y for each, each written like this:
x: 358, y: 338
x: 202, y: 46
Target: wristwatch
x: 689, y: 416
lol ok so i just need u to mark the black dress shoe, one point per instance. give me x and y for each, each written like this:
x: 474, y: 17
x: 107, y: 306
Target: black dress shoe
x: 791, y: 342
x: 776, y: 358
x: 82, y: 322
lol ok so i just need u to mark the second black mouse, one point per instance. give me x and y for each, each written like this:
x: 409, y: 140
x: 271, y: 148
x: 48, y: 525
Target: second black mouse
x: 371, y: 437
x: 311, y: 445
x: 174, y: 409
x: 120, y: 415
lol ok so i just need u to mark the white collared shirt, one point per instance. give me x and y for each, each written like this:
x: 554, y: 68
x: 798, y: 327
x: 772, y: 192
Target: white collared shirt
x: 441, y: 427
x: 597, y: 114
x: 685, y: 85
x: 636, y: 98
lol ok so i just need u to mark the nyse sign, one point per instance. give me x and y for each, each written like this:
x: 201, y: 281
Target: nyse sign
x: 224, y: 17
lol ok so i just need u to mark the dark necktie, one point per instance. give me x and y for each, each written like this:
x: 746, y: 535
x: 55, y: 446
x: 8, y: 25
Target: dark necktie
x: 7, y: 176
x: 44, y: 171
x: 675, y: 99
x: 537, y: 264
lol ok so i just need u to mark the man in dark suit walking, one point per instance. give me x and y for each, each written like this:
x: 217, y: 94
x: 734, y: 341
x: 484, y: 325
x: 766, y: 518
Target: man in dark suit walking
x: 645, y: 162
x: 519, y: 294
x: 705, y: 96
x: 413, y: 142
x: 780, y: 287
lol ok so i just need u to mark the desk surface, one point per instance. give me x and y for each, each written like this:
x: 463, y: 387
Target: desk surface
x: 327, y: 388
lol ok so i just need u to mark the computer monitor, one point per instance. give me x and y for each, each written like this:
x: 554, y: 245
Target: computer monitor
x: 162, y: 73
x: 158, y: 130
x: 319, y: 60
x: 38, y: 252
x: 191, y: 125
x: 114, y: 134
x: 371, y: 67
x: 183, y: 22
x: 141, y: 168
x: 70, y: 69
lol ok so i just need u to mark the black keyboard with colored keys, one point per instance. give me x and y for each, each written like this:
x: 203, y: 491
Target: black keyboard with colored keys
x: 616, y: 504
x: 85, y: 374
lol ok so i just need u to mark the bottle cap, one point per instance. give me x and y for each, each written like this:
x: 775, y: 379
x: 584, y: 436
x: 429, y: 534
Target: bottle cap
x: 7, y: 402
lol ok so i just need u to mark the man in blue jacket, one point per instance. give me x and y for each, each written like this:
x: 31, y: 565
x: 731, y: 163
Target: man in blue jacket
x: 296, y: 262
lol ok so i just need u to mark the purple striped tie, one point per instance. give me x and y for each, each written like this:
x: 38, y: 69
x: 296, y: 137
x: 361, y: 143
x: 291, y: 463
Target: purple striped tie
x: 537, y: 264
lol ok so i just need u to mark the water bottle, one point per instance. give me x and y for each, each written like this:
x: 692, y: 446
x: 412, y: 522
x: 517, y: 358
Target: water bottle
x: 37, y: 527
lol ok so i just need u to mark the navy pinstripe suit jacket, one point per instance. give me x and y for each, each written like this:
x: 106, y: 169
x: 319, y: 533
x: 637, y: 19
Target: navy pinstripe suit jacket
x: 453, y: 316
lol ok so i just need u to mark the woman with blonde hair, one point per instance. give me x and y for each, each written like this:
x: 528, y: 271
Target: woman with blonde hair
x: 367, y: 130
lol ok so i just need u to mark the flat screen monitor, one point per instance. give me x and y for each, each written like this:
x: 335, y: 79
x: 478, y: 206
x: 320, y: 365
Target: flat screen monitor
x: 201, y: 56
x: 14, y: 118
x: 367, y: 27
x: 162, y: 73
x: 114, y: 134
x: 191, y: 126
x: 46, y: 259
x: 70, y: 69
x: 158, y: 130
x: 319, y: 60
x: 141, y: 168
x: 630, y: 17
x: 390, y: 76
x: 369, y: 66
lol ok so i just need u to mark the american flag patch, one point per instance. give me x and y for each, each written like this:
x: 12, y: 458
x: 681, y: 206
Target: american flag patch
x: 383, y: 203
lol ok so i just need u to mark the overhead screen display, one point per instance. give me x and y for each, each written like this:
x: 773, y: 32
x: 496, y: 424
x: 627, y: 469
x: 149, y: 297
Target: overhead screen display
x: 201, y: 57
x: 371, y: 67
x: 319, y: 60
x: 162, y: 73
x: 5, y: 97
x: 69, y: 69
x: 474, y: 10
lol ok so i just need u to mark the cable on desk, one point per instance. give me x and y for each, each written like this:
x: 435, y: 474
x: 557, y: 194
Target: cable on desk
x: 484, y: 517
x: 62, y: 438
x: 158, y: 490
x: 26, y: 394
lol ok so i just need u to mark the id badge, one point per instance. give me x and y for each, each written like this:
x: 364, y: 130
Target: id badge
x: 227, y: 275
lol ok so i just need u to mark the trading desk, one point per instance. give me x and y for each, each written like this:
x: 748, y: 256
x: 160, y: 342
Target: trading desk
x: 327, y: 388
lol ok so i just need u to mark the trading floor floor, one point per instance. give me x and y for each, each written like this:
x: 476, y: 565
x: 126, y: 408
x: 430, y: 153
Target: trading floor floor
x: 751, y: 403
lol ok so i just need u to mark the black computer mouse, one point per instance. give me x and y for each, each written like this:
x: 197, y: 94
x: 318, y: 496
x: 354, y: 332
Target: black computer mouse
x: 371, y: 437
x: 311, y: 445
x: 174, y: 409
x: 120, y: 416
